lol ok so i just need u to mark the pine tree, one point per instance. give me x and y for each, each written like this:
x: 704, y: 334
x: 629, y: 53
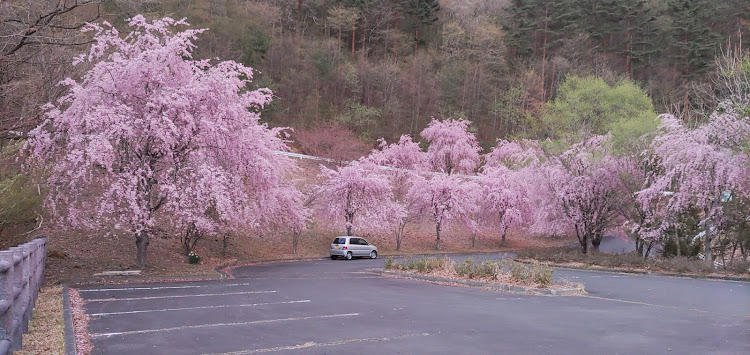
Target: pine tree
x: 639, y: 32
x: 426, y: 13
x: 520, y: 26
x: 692, y: 40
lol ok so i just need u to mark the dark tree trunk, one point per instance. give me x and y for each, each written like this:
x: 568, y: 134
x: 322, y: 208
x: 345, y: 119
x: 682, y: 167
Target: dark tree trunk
x: 583, y: 240
x: 707, y: 244
x: 416, y: 39
x: 225, y: 245
x: 595, y: 241
x: 354, y: 36
x: 295, y: 241
x: 437, y: 234
x: 400, y: 234
x: 502, y: 240
x: 473, y: 240
x: 639, y: 243
x: 648, y: 250
x: 141, y: 243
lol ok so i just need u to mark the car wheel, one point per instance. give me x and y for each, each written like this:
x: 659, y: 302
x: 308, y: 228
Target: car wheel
x: 373, y: 255
x: 333, y: 257
x: 349, y: 256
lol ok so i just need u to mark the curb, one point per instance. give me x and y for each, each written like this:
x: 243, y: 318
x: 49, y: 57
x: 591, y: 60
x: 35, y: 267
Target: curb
x: 637, y: 272
x: 69, y: 330
x: 506, y: 288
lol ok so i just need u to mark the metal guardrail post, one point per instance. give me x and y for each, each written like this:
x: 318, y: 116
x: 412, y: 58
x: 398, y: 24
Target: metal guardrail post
x: 28, y: 281
x: 21, y: 276
x: 7, y: 289
x: 17, y: 302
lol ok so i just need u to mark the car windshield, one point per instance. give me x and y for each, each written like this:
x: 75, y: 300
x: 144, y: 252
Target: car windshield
x: 339, y: 241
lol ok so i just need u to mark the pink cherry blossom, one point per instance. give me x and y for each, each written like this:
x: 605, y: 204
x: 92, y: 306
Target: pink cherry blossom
x: 149, y: 134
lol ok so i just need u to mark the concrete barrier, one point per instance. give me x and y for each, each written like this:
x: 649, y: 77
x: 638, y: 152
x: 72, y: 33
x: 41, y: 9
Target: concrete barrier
x: 21, y: 276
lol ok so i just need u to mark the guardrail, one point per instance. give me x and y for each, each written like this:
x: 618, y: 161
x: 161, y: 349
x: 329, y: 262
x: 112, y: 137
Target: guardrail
x: 21, y: 276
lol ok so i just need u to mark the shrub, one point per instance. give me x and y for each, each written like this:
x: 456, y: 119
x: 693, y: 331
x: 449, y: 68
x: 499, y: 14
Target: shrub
x: 487, y: 269
x: 530, y: 274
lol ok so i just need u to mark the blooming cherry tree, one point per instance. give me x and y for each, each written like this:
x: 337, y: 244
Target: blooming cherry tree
x: 703, y: 167
x: 453, y: 149
x: 150, y: 131
x: 404, y: 160
x: 585, y: 189
x: 359, y: 190
x: 505, y: 197
x: 506, y: 180
x: 445, y: 198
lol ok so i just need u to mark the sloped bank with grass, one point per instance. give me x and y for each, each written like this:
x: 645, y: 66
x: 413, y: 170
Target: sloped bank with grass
x: 503, y: 275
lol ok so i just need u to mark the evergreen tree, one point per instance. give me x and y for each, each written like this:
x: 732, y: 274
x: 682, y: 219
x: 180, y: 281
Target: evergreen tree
x: 520, y: 26
x: 425, y: 12
x: 638, y: 42
x: 692, y: 40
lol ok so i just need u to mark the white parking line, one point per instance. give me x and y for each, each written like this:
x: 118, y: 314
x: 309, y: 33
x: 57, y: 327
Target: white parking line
x: 214, y: 325
x: 202, y: 307
x: 174, y: 296
x: 313, y: 344
x: 157, y: 288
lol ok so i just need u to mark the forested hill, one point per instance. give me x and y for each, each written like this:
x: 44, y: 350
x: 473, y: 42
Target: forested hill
x: 384, y: 67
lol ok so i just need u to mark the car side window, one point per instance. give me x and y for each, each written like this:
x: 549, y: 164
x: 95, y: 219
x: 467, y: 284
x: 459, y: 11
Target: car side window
x: 363, y: 242
x: 354, y: 241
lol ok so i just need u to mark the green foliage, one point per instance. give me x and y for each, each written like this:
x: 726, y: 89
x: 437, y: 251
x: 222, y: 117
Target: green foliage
x: 19, y: 199
x: 588, y: 105
x: 424, y: 10
x: 361, y: 117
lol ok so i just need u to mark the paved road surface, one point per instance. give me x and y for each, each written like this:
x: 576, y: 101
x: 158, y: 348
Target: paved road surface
x: 334, y: 307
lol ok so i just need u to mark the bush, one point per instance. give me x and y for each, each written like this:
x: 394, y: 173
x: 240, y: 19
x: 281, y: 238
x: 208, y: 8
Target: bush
x: 531, y: 274
x: 487, y: 269
x: 19, y: 198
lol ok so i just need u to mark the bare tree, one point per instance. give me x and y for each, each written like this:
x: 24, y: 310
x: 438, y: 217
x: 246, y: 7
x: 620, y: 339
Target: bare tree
x: 37, y: 40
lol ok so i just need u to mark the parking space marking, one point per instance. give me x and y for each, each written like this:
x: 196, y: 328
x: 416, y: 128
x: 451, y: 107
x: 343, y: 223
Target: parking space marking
x: 175, y: 296
x: 313, y: 344
x: 664, y: 306
x: 215, y: 325
x: 157, y: 288
x: 201, y: 307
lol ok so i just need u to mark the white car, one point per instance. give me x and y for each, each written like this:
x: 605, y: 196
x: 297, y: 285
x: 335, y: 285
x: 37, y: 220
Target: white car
x: 349, y: 247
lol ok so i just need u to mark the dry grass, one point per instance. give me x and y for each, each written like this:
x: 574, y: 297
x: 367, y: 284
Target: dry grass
x: 46, y: 331
x: 502, y: 272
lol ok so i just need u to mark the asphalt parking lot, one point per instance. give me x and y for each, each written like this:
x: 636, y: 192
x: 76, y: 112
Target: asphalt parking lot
x: 338, y: 306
